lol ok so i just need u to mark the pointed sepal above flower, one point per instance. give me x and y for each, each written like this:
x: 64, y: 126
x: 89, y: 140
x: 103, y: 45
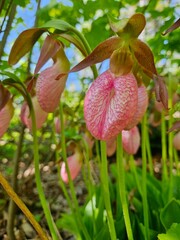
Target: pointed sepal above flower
x: 172, y: 27
x: 99, y: 54
x: 161, y: 91
x: 144, y: 57
x: 24, y: 43
x: 128, y: 28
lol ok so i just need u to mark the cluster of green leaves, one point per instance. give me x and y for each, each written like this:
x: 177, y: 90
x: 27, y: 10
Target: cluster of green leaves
x: 164, y: 212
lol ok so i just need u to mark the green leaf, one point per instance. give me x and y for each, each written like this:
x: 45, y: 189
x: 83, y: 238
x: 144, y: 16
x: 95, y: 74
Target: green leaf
x: 170, y: 213
x: 24, y: 43
x: 172, y: 234
x: 76, y: 41
x: 67, y: 222
x: 58, y: 24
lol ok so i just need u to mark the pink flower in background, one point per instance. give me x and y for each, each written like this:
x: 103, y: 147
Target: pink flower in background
x: 131, y: 140
x: 111, y: 146
x: 39, y: 113
x: 176, y: 141
x: 141, y: 107
x: 48, y: 88
x: 74, y: 163
x: 6, y: 113
x: 110, y: 104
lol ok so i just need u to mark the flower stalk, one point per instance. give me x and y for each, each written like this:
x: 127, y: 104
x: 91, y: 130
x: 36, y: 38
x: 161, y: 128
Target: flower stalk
x: 105, y: 188
x: 122, y: 186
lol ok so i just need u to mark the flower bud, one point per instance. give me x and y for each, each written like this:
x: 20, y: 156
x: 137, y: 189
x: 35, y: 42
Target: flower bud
x: 74, y: 163
x: 131, y: 140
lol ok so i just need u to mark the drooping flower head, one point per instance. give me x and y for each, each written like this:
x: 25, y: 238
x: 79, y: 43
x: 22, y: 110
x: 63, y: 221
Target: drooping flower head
x: 39, y: 114
x: 48, y: 87
x: 110, y: 104
x: 6, y: 109
x: 75, y: 163
x: 131, y: 140
x: 6, y: 113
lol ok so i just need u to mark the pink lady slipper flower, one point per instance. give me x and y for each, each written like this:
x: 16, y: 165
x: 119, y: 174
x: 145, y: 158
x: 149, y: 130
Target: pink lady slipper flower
x: 141, y: 107
x: 48, y: 87
x: 74, y: 163
x: 131, y: 140
x: 6, y: 114
x: 39, y: 113
x: 110, y: 104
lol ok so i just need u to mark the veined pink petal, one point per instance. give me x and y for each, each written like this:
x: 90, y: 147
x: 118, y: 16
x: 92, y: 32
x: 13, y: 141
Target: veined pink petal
x: 176, y: 141
x: 110, y: 104
x: 6, y: 114
x: 74, y: 163
x: 48, y: 89
x: 141, y: 107
x: 131, y: 140
x: 39, y: 113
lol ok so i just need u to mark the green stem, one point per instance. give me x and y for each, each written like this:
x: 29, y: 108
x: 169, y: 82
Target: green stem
x: 176, y: 161
x: 133, y: 169
x: 144, y: 177
x: 164, y: 147
x: 122, y: 186
x: 45, y: 206
x: 73, y: 194
x: 105, y: 187
x: 170, y: 140
x: 22, y: 206
x: 89, y: 181
x: 148, y: 148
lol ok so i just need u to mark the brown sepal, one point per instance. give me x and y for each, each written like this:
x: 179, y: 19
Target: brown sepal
x: 172, y: 27
x: 161, y: 91
x: 144, y: 57
x: 24, y: 43
x: 175, y: 126
x: 99, y: 54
